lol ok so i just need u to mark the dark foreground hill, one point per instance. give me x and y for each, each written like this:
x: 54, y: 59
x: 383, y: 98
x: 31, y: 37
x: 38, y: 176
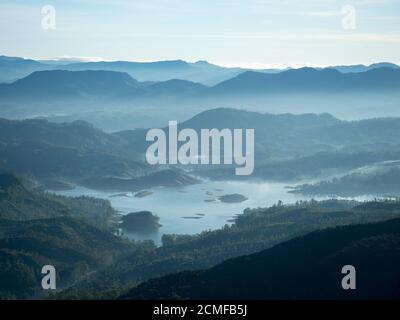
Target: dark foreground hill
x: 36, y: 229
x: 74, y: 248
x: 308, y: 267
x: 254, y: 231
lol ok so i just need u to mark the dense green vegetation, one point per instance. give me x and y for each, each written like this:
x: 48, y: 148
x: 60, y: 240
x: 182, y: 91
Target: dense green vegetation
x: 308, y: 267
x: 73, y: 247
x: 73, y: 234
x: 141, y: 221
x: 256, y: 230
x: 77, y: 233
x: 18, y: 201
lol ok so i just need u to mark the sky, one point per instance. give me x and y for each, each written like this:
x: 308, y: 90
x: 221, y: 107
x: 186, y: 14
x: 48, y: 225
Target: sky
x: 245, y: 33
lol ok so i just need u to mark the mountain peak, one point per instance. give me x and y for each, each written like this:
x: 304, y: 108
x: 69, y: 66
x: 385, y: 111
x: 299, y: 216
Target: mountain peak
x: 384, y: 64
x: 87, y: 77
x: 204, y: 63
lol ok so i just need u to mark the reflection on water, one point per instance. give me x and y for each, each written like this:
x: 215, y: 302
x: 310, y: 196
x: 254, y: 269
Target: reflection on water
x: 195, y: 208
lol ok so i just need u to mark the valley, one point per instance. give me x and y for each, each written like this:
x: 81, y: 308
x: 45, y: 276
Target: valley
x: 77, y: 188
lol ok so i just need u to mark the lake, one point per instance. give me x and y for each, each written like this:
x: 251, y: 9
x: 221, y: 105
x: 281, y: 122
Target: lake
x: 186, y: 210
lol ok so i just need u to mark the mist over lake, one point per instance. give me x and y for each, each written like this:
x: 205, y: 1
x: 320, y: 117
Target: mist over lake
x: 186, y: 210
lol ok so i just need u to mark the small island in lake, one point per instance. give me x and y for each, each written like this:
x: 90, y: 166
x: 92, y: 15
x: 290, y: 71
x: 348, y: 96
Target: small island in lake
x: 142, y: 194
x: 141, y: 221
x: 232, y: 198
x: 189, y: 217
x: 124, y: 194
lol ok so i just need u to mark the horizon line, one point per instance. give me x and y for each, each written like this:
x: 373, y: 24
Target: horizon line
x: 253, y: 66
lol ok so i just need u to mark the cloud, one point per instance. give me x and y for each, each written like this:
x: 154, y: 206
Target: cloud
x: 77, y: 59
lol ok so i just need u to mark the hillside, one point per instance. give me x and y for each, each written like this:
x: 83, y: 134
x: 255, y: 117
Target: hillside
x: 20, y: 202
x: 310, y: 80
x: 291, y: 147
x: 255, y: 230
x: 66, y: 85
x: 14, y: 68
x: 288, y: 148
x: 308, y: 267
x: 200, y: 71
x: 380, y: 179
x: 57, y: 154
x: 73, y: 234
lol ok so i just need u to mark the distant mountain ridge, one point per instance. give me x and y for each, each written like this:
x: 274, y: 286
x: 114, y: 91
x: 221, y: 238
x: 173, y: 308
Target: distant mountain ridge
x: 71, y: 85
x: 310, y: 80
x: 363, y: 68
x: 13, y: 68
x: 201, y: 71
x: 137, y: 95
x: 61, y: 85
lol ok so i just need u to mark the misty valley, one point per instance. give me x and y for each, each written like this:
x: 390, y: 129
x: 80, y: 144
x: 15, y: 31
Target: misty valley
x: 98, y: 180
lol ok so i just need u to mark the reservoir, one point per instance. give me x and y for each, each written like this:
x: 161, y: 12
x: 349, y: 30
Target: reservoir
x: 193, y: 209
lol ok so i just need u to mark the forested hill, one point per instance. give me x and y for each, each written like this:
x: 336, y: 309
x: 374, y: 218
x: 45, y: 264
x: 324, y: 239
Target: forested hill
x: 254, y: 231
x: 62, y: 155
x: 303, y: 268
x: 20, y: 202
x: 72, y: 234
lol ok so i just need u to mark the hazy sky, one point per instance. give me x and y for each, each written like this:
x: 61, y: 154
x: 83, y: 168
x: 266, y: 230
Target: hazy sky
x: 255, y: 33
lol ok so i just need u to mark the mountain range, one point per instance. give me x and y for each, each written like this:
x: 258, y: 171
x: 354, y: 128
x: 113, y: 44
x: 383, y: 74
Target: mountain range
x: 281, y: 137
x: 116, y: 100
x: 13, y: 68
x: 288, y: 148
x: 123, y: 95
x: 61, y: 84
x: 310, y: 80
x: 62, y: 155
